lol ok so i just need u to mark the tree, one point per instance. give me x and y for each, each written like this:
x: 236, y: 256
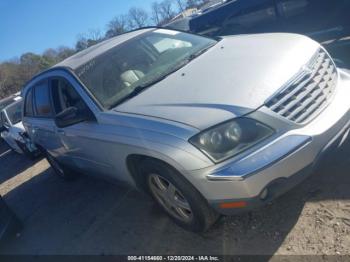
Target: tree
x: 15, y: 73
x: 156, y: 13
x: 31, y: 64
x: 64, y: 52
x: 181, y: 4
x: 162, y: 12
x: 166, y: 10
x: 95, y: 35
x: 86, y: 40
x: 117, y: 26
x: 82, y: 43
x: 138, y: 17
x: 10, y: 81
x: 50, y: 57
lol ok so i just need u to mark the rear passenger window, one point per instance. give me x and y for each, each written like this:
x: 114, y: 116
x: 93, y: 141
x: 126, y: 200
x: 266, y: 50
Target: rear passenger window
x: 42, y: 99
x: 28, y: 110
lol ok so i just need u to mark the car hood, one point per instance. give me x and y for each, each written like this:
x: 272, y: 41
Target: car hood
x: 231, y: 79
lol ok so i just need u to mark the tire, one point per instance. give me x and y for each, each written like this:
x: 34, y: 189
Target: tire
x: 190, y: 210
x: 26, y: 151
x: 59, y: 169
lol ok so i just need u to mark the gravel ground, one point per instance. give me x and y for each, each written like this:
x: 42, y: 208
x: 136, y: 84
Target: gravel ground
x: 91, y: 216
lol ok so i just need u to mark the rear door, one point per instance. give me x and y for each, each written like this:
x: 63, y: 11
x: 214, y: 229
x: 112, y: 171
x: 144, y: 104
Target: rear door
x: 41, y: 126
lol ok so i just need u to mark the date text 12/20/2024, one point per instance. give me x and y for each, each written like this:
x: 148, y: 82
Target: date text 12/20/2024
x: 173, y: 258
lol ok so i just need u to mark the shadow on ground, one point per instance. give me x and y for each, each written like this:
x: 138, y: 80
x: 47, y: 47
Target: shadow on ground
x: 91, y: 216
x: 11, y: 163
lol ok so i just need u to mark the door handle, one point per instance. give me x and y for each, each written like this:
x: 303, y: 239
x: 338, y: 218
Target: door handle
x: 61, y: 132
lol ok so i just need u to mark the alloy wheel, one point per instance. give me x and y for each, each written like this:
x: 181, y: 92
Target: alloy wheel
x: 170, y: 198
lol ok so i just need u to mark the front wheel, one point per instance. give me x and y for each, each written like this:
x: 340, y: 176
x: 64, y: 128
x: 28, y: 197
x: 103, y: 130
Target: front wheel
x: 177, y: 197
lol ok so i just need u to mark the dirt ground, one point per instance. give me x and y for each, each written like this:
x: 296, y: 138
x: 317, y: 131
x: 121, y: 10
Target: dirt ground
x: 91, y: 216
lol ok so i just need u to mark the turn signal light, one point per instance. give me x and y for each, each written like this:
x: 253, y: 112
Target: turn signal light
x: 233, y: 205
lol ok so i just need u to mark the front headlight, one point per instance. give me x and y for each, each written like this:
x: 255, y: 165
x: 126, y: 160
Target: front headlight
x: 230, y: 138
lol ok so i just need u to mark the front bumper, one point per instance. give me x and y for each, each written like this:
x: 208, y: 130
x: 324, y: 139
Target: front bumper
x: 280, y: 164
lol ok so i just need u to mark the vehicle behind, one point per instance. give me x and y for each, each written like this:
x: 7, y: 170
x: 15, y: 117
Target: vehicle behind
x: 320, y: 19
x: 12, y: 130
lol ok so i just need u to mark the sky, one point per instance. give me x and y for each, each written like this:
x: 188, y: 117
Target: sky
x: 35, y: 25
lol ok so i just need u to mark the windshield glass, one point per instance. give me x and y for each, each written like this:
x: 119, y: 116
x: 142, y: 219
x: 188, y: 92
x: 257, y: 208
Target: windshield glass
x: 14, y: 112
x: 141, y: 61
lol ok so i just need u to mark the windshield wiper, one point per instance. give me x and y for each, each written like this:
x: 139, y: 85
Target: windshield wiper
x: 200, y: 52
x: 140, y: 88
x: 137, y: 90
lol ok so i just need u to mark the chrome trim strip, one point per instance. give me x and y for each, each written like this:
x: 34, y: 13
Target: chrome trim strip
x: 263, y: 159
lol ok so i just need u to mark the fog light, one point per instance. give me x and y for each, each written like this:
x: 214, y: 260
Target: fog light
x: 264, y: 194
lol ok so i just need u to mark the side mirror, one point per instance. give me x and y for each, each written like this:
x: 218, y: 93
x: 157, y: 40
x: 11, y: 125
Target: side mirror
x: 70, y: 116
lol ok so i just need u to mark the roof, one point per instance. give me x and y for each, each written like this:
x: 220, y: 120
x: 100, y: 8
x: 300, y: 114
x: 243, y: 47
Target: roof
x: 86, y: 55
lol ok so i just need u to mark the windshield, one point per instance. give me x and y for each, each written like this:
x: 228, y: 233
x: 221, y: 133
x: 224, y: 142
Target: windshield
x: 141, y: 61
x: 14, y: 112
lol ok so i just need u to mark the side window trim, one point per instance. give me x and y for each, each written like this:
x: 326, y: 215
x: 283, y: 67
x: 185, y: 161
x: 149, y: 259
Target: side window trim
x: 92, y: 104
x: 30, y: 95
x: 62, y: 78
x: 35, y: 110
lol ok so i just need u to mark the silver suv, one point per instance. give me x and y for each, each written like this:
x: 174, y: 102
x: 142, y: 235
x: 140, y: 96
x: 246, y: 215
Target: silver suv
x: 206, y: 126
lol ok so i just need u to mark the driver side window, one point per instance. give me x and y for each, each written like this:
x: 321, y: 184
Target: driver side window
x: 65, y: 96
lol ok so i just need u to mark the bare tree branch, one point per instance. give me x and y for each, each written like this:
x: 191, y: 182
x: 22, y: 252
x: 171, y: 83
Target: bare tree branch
x: 117, y: 26
x: 156, y: 13
x: 138, y: 17
x: 181, y: 4
x: 166, y: 7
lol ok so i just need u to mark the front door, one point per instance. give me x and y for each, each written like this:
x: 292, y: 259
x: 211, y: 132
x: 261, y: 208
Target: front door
x: 82, y: 143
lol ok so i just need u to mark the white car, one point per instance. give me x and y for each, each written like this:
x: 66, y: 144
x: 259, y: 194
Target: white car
x: 12, y: 130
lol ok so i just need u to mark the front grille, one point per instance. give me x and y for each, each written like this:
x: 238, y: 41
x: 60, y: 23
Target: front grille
x: 308, y: 93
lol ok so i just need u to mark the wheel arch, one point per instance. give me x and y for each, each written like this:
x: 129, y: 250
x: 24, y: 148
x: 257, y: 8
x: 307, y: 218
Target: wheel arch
x: 133, y: 161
